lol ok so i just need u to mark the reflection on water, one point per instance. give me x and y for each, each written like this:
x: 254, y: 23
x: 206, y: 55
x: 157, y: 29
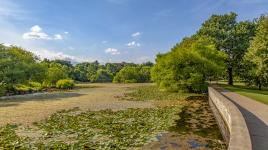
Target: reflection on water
x: 167, y: 141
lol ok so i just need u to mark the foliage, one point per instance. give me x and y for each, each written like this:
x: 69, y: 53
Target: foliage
x: 16, y: 65
x: 129, y: 74
x: 80, y: 72
x: 113, y: 68
x: 2, y: 90
x: 145, y: 93
x: 231, y: 37
x: 95, y: 72
x: 65, y: 84
x: 102, y: 76
x: 55, y: 73
x: 9, y: 139
x: 256, y: 59
x: 19, y: 67
x: 36, y: 86
x: 188, y: 65
x: 22, y: 88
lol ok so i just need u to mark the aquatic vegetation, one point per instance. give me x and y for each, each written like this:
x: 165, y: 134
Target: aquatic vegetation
x: 104, y: 129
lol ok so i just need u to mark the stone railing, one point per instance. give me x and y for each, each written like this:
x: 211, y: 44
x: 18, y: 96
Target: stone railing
x: 230, y: 120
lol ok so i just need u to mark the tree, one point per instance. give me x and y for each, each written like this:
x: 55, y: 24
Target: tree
x: 256, y: 58
x: 63, y: 62
x: 148, y: 63
x: 130, y: 74
x: 55, y: 73
x: 229, y: 36
x: 80, y: 72
x: 92, y: 70
x: 86, y: 71
x: 102, y: 76
x: 15, y: 65
x: 188, y: 65
x: 113, y: 68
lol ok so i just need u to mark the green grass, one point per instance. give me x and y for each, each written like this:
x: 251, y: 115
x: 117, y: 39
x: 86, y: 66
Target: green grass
x: 251, y: 92
x: 145, y: 93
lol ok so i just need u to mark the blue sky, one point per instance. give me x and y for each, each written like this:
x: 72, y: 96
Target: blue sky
x: 110, y: 30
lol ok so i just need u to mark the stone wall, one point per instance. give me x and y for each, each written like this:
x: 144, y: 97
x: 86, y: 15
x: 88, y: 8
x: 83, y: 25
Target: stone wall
x: 230, y: 120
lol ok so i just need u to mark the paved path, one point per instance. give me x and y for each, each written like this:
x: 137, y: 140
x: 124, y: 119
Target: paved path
x: 256, y: 116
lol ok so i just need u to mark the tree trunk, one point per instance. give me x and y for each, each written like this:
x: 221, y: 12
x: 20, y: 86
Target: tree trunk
x: 259, y: 86
x: 230, y: 76
x: 259, y: 83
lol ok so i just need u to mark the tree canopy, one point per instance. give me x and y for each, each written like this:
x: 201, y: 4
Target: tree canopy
x: 130, y: 74
x: 188, y: 65
x: 256, y: 58
x: 229, y: 36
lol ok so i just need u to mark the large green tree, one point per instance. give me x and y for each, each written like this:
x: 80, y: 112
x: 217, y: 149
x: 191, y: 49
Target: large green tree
x: 256, y: 58
x: 231, y: 37
x: 188, y: 65
x: 16, y: 65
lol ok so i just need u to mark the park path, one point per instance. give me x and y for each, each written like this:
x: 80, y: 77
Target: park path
x: 256, y: 117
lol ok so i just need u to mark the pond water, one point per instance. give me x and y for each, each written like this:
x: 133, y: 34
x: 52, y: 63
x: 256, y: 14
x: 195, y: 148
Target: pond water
x: 195, y: 128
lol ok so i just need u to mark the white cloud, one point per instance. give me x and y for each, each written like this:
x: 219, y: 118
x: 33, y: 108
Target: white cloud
x: 66, y: 32
x: 44, y: 53
x: 133, y: 44
x: 36, y: 33
x: 137, y: 34
x: 57, y: 37
x: 7, y: 44
x: 112, y: 51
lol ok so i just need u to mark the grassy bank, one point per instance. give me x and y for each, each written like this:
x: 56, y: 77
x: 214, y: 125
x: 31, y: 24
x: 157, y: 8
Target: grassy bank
x: 251, y: 92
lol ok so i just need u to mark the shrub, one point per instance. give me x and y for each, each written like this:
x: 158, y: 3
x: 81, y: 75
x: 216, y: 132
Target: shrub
x: 21, y: 88
x: 35, y: 86
x: 65, y: 84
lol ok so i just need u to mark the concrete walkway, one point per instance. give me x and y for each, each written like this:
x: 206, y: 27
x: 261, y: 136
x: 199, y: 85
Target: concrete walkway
x: 256, y: 117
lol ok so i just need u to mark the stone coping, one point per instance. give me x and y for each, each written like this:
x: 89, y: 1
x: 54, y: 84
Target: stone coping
x: 239, y: 134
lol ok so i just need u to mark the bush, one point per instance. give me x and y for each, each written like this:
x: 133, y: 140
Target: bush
x: 35, y: 86
x: 65, y: 84
x: 21, y: 88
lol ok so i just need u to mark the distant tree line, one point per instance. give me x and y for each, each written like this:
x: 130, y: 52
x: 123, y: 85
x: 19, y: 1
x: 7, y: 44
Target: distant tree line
x: 222, y: 48
x: 22, y: 72
x: 111, y: 72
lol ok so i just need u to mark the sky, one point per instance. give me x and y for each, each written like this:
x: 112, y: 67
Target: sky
x: 110, y: 30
